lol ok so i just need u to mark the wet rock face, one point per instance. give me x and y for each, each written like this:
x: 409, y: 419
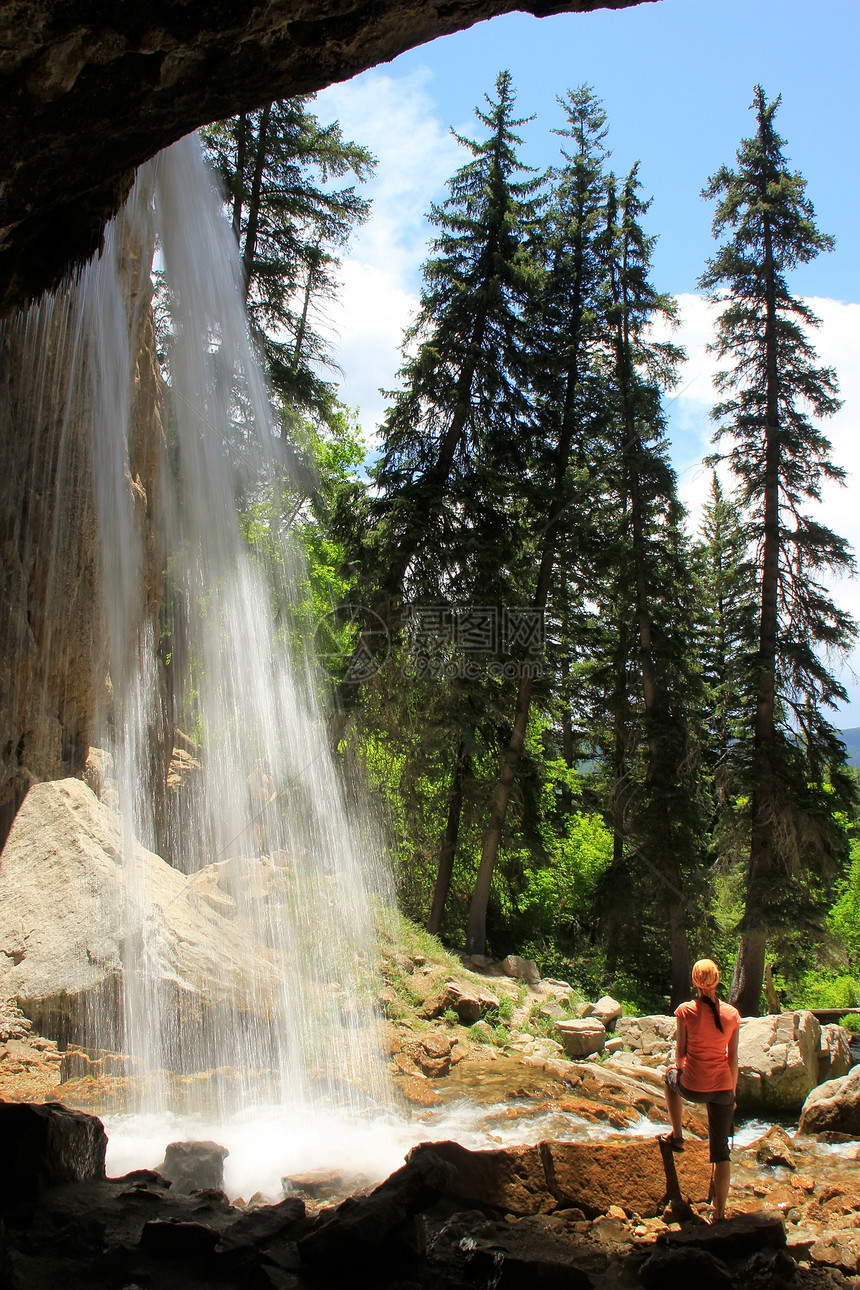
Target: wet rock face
x: 88, y: 94
x: 53, y: 637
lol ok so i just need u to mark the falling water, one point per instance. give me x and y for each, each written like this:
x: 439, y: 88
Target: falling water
x: 282, y: 1008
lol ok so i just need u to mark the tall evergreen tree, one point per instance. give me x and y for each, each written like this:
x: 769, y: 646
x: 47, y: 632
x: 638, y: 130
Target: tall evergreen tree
x: 563, y: 335
x: 793, y: 761
x: 652, y: 592
x: 725, y: 596
x: 452, y: 435
x: 291, y: 221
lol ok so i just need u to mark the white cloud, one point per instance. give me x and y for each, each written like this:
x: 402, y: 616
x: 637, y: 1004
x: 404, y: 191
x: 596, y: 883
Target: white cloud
x: 396, y: 118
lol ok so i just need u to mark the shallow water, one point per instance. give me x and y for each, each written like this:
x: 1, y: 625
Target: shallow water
x: 268, y: 1143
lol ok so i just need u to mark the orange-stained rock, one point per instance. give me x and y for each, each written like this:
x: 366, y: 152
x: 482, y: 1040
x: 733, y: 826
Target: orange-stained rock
x: 591, y: 1176
x: 623, y: 1171
x: 417, y: 1089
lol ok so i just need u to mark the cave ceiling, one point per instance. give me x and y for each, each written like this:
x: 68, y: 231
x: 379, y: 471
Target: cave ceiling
x: 90, y: 90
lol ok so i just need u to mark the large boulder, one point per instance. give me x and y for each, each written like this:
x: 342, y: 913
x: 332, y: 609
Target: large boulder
x: 581, y: 1038
x: 607, y: 1010
x: 834, y: 1053
x: 591, y: 1176
x: 777, y: 1061
x: 520, y: 968
x: 194, y: 1166
x: 71, y: 923
x: 834, y: 1106
x: 47, y: 1145
x: 651, y: 1037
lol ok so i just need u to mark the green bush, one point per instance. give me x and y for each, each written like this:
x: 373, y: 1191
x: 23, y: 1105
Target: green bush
x: 851, y: 1022
x: 819, y: 988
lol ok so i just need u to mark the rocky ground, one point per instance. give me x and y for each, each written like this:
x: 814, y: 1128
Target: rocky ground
x: 612, y: 1210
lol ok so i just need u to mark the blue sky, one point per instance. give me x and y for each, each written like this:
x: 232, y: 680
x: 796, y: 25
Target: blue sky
x: 676, y: 79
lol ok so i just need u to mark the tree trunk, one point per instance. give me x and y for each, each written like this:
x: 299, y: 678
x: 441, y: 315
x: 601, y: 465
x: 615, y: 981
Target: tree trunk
x: 254, y: 203
x: 476, y: 932
x: 239, y: 185
x: 749, y: 966
x: 301, y: 330
x: 654, y: 700
x: 449, y: 839
x: 431, y: 488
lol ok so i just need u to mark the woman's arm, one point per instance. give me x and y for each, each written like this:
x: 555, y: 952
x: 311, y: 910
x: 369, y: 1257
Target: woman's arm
x: 680, y: 1043
x: 732, y: 1052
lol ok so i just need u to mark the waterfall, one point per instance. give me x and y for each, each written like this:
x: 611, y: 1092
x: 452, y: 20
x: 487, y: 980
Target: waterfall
x: 267, y: 833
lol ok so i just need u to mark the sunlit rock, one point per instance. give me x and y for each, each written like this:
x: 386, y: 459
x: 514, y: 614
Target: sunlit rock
x: 834, y: 1106
x: 581, y: 1038
x: 777, y: 1061
x: 521, y: 969
x: 69, y: 930
x: 834, y: 1053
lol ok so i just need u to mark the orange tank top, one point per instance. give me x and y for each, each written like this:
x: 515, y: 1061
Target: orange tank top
x: 706, y: 1064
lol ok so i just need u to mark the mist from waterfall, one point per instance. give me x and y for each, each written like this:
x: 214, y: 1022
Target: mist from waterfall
x: 299, y: 875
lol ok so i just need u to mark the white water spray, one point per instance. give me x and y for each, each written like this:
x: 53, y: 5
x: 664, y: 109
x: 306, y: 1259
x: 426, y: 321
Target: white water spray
x: 271, y: 846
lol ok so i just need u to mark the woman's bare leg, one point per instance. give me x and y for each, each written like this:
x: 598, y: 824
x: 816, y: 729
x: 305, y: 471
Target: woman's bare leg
x: 722, y: 1178
x: 674, y: 1105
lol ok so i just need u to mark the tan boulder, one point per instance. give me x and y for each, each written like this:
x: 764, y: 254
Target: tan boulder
x: 777, y: 1061
x: 431, y: 1052
x: 834, y: 1106
x: 68, y: 927
x: 454, y: 997
x: 581, y: 1038
x: 521, y: 969
x: 607, y: 1010
x: 834, y: 1053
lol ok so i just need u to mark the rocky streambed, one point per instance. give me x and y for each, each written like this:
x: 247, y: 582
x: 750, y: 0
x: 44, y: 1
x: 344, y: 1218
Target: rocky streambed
x: 536, y: 1170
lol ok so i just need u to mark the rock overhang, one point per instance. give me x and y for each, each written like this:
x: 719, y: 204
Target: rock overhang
x: 87, y: 98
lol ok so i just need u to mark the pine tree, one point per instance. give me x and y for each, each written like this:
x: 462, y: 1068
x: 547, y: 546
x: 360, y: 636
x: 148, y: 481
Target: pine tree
x: 792, y: 762
x: 726, y: 630
x: 452, y: 435
x: 656, y: 812
x: 291, y: 222
x: 562, y: 336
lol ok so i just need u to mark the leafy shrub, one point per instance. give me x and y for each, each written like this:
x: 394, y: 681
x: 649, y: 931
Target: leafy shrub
x: 851, y: 1022
x: 819, y: 988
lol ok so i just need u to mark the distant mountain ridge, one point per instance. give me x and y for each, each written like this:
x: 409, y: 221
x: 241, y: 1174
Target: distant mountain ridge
x: 851, y: 739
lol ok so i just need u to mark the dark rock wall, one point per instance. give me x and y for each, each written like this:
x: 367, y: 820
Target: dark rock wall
x: 89, y: 91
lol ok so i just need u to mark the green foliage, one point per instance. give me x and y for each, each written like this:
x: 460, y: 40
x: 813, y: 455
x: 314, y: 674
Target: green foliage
x: 819, y: 988
x: 505, y: 1009
x: 851, y: 1022
x: 844, y: 917
x: 291, y: 220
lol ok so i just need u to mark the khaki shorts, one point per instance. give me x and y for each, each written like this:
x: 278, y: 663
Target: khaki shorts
x: 721, y: 1113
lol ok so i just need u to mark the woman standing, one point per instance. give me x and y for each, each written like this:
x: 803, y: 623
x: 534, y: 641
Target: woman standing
x: 706, y: 1070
